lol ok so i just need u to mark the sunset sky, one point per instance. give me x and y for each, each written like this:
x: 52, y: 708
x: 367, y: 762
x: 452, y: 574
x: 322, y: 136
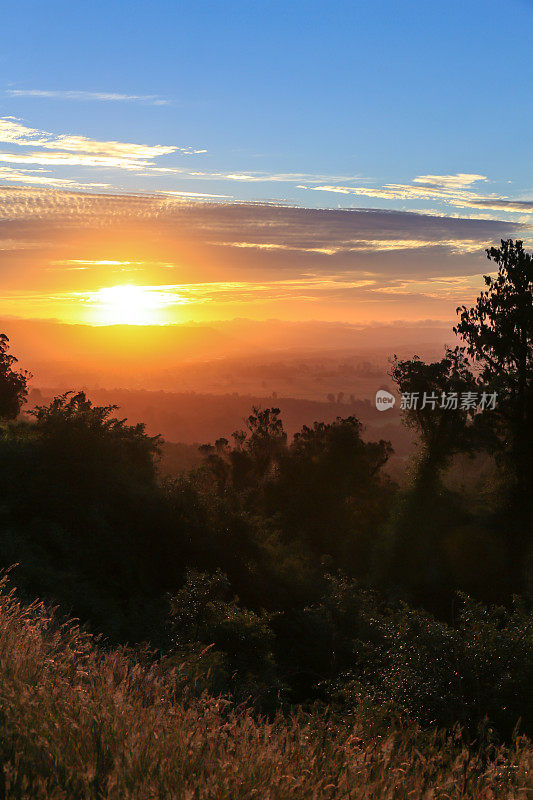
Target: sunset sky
x: 195, y: 161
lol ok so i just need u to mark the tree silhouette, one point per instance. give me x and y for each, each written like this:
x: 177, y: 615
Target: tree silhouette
x: 498, y: 332
x: 436, y: 411
x: 432, y: 405
x: 329, y: 491
x: 90, y: 455
x: 255, y: 452
x: 13, y: 385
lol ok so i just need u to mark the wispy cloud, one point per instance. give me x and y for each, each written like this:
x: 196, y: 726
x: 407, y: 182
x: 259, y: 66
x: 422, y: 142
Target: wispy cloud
x: 14, y: 244
x: 238, y: 292
x: 79, y: 159
x: 41, y: 178
x: 256, y: 177
x: 237, y: 297
x: 74, y: 150
x: 458, y: 181
x: 453, y: 190
x: 275, y: 234
x: 328, y: 251
x: 193, y: 195
x: 108, y: 97
x: 368, y: 246
x: 453, y: 287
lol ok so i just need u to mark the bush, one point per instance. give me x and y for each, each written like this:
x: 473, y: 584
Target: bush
x: 202, y: 615
x: 480, y: 669
x: 80, y: 722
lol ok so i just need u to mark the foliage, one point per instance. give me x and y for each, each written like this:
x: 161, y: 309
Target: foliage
x: 80, y: 721
x: 13, y: 384
x: 498, y: 332
x: 80, y: 499
x: 498, y: 337
x: 254, y: 454
x: 201, y: 612
x: 327, y: 479
x: 329, y: 492
x: 93, y: 448
x: 478, y: 669
x: 443, y: 431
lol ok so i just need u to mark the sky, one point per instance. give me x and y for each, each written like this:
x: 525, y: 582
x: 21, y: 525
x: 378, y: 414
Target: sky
x: 192, y: 161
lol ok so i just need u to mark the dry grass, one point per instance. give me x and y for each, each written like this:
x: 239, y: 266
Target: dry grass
x: 77, y: 722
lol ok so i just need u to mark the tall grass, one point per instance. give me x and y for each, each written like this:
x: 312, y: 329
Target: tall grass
x: 79, y: 722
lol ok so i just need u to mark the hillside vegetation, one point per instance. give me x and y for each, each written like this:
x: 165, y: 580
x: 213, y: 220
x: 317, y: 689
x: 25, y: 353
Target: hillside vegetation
x: 77, y: 721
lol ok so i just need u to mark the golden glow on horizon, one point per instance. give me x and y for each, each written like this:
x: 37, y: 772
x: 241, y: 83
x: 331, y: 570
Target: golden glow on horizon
x: 129, y: 304
x: 360, y: 298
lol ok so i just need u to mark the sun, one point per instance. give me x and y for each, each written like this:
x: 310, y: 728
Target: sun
x: 128, y: 305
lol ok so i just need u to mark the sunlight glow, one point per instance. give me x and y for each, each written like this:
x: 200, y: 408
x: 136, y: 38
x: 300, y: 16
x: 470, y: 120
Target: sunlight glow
x: 131, y: 305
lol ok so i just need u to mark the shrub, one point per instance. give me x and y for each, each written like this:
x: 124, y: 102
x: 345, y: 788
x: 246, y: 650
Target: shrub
x: 80, y: 722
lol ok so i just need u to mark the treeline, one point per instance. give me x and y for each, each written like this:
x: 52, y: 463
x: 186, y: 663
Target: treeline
x: 192, y: 417
x: 293, y: 569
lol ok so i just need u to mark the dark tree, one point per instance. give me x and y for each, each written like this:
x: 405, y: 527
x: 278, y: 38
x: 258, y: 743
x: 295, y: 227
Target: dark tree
x: 90, y: 440
x: 265, y: 438
x: 255, y: 452
x: 436, y: 407
x: 329, y: 492
x: 438, y: 402
x: 95, y: 473
x: 498, y: 332
x: 13, y: 384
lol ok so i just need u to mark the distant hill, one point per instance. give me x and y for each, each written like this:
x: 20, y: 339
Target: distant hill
x: 188, y: 419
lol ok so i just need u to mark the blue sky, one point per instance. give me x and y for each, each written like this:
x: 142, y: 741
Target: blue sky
x: 344, y: 94
x: 133, y: 137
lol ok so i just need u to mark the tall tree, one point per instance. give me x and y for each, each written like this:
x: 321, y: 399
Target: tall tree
x: 435, y: 403
x: 498, y: 332
x: 255, y: 452
x: 329, y: 491
x: 438, y: 403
